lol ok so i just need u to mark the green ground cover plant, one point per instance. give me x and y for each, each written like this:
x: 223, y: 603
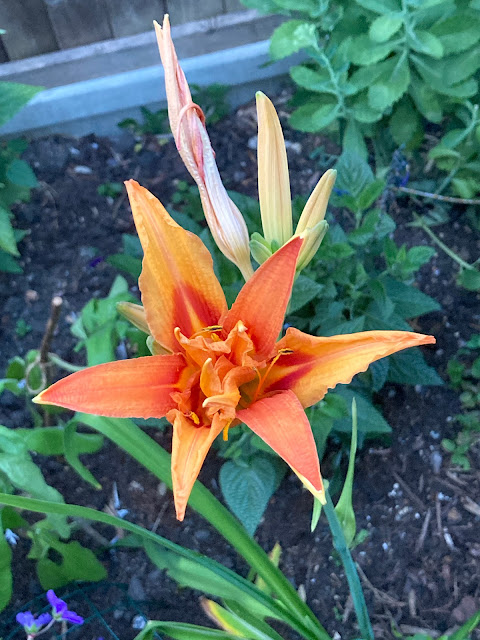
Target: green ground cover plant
x: 383, y: 72
x: 16, y: 176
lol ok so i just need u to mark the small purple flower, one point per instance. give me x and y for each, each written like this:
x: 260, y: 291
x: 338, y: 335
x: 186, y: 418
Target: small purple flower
x: 32, y: 624
x: 60, y: 609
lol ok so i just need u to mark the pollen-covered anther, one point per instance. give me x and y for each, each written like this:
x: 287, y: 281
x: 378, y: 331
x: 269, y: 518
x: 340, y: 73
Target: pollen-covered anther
x: 193, y: 417
x: 225, y: 430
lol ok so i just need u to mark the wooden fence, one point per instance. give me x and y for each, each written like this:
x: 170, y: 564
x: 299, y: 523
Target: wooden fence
x: 34, y: 27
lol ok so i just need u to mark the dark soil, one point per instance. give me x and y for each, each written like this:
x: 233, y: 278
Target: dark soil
x: 421, y: 557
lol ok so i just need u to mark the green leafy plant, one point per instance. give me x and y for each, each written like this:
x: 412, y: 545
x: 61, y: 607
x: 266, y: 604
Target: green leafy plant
x: 18, y: 472
x: 375, y: 65
x: 22, y: 328
x: 110, y: 189
x: 464, y: 373
x: 101, y: 330
x: 16, y: 177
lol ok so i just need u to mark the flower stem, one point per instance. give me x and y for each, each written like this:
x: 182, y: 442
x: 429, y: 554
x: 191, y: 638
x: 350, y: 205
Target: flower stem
x: 353, y: 579
x: 68, y: 366
x: 462, y: 263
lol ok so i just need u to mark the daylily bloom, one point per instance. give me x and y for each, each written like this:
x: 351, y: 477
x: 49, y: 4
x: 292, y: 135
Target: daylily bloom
x: 188, y: 127
x: 274, y: 193
x: 222, y: 366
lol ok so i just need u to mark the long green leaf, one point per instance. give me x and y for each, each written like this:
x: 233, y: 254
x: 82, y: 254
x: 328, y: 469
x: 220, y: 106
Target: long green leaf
x: 467, y: 628
x: 153, y: 457
x: 71, y: 454
x: 183, y: 631
x: 233, y: 582
x: 6, y: 583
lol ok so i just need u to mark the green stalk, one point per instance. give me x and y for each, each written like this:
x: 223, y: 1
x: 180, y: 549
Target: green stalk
x: 354, y: 584
x: 63, y: 364
x: 129, y: 437
x: 462, y: 263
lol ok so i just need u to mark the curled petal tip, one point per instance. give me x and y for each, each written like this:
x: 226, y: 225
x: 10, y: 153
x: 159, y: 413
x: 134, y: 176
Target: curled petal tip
x: 38, y: 399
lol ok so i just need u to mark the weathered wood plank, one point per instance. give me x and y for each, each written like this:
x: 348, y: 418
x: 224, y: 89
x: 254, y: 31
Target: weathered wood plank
x: 129, y: 17
x: 231, y: 6
x: 136, y: 52
x: 29, y: 32
x: 77, y: 22
x: 182, y: 11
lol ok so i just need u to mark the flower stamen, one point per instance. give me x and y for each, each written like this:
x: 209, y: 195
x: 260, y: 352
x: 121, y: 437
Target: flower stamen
x: 193, y: 417
x: 261, y: 382
x: 225, y: 430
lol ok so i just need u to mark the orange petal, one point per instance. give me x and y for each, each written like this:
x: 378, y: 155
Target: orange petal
x: 319, y: 364
x: 190, y: 445
x: 178, y: 285
x: 137, y: 388
x: 263, y: 300
x: 280, y: 421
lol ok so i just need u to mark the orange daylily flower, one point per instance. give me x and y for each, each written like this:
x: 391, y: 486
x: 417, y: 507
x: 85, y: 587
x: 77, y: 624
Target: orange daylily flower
x: 221, y: 366
x: 188, y: 127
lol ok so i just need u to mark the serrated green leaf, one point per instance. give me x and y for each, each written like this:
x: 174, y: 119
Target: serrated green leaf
x: 409, y: 367
x: 363, y: 52
x: 353, y: 140
x: 462, y: 66
x: 368, y: 196
x: 379, y: 372
x: 290, y: 37
x: 425, y: 42
x: 7, y: 236
x: 371, y: 423
x: 409, y: 301
x: 425, y: 99
x: 304, y: 290
x: 385, y: 26
x: 13, y: 96
x: 379, y: 6
x: 457, y: 32
x: 363, y: 77
x: 418, y: 256
x: 247, y: 488
x: 314, y: 116
x: 311, y: 7
x: 404, y: 124
x: 20, y: 173
x: 391, y: 86
x: 313, y: 79
x: 363, y: 112
x: 353, y: 174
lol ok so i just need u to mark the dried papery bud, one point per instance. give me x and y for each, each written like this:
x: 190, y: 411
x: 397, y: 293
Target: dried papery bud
x: 188, y: 127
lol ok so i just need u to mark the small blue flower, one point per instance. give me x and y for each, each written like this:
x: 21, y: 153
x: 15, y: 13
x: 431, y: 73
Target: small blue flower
x: 60, y: 609
x: 32, y: 624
